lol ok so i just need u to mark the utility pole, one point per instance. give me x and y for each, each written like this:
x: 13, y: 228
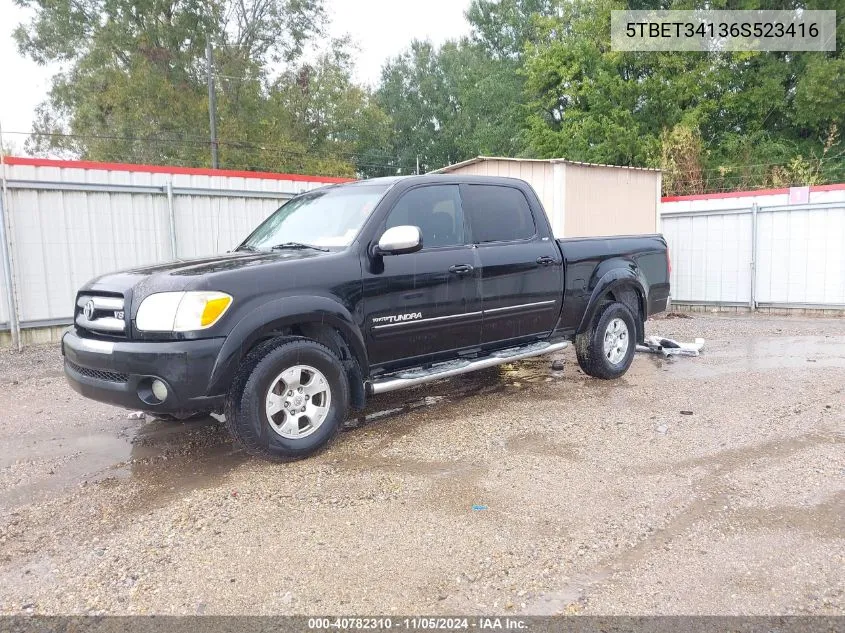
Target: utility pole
x: 212, y: 104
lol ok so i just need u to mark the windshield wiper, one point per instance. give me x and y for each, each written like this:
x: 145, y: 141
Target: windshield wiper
x: 247, y: 247
x: 279, y: 247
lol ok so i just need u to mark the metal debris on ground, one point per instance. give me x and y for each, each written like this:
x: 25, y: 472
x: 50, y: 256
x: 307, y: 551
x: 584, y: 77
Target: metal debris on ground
x: 669, y: 347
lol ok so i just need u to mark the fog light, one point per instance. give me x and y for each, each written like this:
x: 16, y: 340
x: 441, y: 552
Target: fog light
x: 159, y: 390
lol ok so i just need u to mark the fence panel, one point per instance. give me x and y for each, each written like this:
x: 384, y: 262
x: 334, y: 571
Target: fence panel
x: 212, y: 218
x: 797, y: 261
x: 4, y: 293
x: 72, y: 221
x: 801, y: 257
x: 711, y: 257
x: 206, y: 225
x: 64, y: 238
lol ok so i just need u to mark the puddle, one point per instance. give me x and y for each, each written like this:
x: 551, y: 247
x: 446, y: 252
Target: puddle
x: 188, y: 455
x: 484, y: 382
x: 171, y: 458
x: 174, y: 457
x: 180, y: 463
x: 38, y: 469
x: 733, y: 458
x: 760, y: 354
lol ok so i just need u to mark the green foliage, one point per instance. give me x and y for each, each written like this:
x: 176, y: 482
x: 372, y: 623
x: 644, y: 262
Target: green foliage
x: 819, y: 93
x: 134, y: 88
x: 503, y: 28
x: 682, y: 158
x: 534, y: 78
x: 466, y: 98
x: 450, y: 103
x: 711, y: 121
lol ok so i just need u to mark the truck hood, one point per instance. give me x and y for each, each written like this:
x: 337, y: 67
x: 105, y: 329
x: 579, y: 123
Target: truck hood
x: 192, y: 274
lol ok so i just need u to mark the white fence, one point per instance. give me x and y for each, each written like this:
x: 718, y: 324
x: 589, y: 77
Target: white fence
x: 759, y: 250
x: 68, y: 222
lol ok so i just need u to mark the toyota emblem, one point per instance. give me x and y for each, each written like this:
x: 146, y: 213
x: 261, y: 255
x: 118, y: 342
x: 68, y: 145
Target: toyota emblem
x: 88, y: 310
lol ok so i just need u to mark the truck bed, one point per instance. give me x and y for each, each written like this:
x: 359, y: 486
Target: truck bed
x: 592, y: 262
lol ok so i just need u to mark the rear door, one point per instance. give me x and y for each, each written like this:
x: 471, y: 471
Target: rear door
x: 426, y: 303
x: 521, y: 267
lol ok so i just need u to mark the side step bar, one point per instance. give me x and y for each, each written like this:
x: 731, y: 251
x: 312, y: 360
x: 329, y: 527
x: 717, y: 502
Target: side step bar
x: 409, y: 378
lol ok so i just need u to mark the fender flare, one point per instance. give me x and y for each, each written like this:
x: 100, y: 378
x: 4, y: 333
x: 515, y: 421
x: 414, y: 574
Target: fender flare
x: 617, y: 277
x: 278, y: 314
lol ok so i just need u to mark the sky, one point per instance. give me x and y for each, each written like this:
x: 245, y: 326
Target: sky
x: 381, y: 29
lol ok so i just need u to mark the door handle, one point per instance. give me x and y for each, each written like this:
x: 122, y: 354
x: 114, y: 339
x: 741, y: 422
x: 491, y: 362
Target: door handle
x: 545, y: 260
x: 461, y: 269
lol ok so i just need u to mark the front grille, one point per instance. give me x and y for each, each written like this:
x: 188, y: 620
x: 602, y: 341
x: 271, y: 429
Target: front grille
x: 101, y: 314
x: 99, y: 374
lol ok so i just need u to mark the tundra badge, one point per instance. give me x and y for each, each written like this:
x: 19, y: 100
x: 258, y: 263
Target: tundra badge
x: 398, y: 318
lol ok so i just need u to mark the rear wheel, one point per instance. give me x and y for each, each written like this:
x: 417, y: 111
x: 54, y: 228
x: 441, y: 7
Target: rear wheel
x: 607, y: 349
x: 288, y: 400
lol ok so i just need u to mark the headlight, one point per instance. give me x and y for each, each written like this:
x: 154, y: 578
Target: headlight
x: 181, y: 311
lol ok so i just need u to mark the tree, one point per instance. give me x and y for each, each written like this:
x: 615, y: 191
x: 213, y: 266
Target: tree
x: 449, y: 104
x: 503, y: 28
x: 134, y: 88
x: 413, y: 90
x: 753, y: 119
x: 334, y: 123
x: 534, y: 78
x: 466, y: 97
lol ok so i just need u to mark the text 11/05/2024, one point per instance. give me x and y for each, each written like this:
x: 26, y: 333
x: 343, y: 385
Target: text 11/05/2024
x: 419, y: 623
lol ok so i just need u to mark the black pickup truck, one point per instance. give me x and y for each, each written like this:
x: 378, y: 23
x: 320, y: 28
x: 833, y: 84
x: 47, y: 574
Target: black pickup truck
x: 358, y: 289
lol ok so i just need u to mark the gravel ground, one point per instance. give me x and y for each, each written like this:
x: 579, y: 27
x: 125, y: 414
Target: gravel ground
x: 712, y: 485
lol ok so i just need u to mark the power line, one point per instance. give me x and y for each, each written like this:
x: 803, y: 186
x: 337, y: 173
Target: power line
x: 829, y: 159
x: 189, y: 140
x: 712, y: 178
x: 192, y: 140
x: 732, y: 176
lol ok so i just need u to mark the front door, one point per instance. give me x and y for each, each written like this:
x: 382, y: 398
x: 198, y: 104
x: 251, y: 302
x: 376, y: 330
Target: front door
x: 521, y: 272
x: 423, y: 305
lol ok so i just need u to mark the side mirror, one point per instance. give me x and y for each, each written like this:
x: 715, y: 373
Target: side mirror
x: 400, y: 240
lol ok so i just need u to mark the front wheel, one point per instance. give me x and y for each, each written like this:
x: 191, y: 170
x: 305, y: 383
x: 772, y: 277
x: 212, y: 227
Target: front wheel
x: 607, y: 349
x: 288, y: 400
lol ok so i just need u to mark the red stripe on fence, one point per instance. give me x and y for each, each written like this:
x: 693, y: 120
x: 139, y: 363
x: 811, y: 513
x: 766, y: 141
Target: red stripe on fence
x: 745, y: 194
x: 164, y: 169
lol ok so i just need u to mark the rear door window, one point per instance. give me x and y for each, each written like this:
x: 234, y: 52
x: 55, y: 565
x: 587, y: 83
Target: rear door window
x: 497, y: 213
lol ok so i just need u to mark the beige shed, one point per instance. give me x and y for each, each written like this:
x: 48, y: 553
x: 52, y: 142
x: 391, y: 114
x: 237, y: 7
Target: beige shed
x: 582, y: 199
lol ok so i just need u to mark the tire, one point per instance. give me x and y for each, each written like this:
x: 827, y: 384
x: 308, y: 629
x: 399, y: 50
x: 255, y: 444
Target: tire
x: 616, y: 324
x: 258, y: 404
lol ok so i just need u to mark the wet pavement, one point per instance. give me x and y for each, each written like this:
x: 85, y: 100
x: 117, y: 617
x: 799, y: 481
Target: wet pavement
x: 692, y: 485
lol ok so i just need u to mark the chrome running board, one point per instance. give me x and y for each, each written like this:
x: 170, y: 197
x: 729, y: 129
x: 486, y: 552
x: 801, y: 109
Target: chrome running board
x: 412, y: 377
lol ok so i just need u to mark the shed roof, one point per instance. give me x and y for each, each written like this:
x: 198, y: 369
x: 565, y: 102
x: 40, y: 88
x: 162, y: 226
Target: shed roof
x: 481, y: 159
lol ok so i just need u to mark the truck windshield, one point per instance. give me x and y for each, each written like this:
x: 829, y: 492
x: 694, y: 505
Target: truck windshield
x: 329, y: 218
